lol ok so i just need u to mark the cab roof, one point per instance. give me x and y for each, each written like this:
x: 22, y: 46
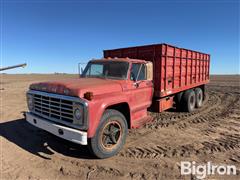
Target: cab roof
x: 119, y: 60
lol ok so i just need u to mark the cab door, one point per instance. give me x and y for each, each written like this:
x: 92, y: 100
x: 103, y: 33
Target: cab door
x: 141, y: 88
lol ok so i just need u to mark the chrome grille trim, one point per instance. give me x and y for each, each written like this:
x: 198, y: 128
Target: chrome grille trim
x: 58, y: 108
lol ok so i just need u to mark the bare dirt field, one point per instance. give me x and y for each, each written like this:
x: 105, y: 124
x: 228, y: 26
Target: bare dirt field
x: 211, y: 133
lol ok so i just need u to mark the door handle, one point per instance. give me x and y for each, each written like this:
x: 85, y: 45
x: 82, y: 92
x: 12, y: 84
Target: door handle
x: 136, y: 85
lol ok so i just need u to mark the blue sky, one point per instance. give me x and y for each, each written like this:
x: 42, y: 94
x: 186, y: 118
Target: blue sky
x: 53, y: 36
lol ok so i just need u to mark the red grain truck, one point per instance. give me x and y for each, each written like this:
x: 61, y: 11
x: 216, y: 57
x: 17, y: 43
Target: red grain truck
x: 114, y: 93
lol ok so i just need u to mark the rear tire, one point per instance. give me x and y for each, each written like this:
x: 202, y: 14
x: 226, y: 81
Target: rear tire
x: 199, y: 97
x: 110, y: 135
x: 178, y: 101
x: 188, y: 101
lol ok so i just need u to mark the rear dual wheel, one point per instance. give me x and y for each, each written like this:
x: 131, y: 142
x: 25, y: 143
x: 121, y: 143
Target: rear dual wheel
x: 191, y: 99
x: 199, y: 97
x: 110, y: 135
x: 188, y: 101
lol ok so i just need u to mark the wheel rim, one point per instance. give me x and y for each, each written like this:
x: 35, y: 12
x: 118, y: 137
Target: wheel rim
x: 111, y: 135
x: 192, y: 100
x: 200, y: 99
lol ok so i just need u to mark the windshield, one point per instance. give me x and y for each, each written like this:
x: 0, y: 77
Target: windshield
x: 106, y: 69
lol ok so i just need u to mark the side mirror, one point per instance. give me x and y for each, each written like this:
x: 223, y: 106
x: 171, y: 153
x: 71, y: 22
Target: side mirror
x: 149, y: 71
x: 81, y: 67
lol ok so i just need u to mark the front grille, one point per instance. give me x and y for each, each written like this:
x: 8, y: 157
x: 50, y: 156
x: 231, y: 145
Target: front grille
x: 53, y: 108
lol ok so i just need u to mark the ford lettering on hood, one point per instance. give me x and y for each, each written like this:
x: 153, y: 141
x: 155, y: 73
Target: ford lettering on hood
x: 77, y: 87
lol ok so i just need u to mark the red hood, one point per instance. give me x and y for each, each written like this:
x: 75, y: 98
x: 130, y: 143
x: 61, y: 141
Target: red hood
x: 77, y: 87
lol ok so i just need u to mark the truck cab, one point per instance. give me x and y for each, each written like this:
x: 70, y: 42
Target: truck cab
x: 97, y: 109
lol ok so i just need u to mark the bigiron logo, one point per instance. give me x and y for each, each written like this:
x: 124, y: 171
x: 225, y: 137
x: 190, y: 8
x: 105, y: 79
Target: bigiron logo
x: 201, y: 171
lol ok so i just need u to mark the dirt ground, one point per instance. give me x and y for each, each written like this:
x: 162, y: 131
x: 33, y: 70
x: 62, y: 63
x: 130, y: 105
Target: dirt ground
x: 212, y: 133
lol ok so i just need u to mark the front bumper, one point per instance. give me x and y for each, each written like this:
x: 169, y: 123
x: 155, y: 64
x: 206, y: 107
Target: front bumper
x: 70, y: 134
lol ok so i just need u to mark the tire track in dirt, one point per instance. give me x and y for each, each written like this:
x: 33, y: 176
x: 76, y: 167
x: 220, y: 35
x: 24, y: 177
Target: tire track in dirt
x: 235, y: 158
x: 225, y: 143
x: 168, y: 119
x: 214, y: 115
x: 213, y: 109
x: 218, y: 107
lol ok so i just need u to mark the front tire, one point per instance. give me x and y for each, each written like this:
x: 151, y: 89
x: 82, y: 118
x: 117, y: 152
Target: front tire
x: 110, y: 135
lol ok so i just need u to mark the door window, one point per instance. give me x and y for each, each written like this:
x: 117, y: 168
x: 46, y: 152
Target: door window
x: 135, y: 71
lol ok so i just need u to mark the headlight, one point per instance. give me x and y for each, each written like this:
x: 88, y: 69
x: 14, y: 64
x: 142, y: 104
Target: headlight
x: 78, y: 114
x: 30, y: 101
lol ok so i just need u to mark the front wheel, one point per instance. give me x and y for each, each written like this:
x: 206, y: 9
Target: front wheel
x: 110, y: 135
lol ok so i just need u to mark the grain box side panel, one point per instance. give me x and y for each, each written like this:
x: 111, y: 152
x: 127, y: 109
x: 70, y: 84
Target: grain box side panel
x: 182, y: 69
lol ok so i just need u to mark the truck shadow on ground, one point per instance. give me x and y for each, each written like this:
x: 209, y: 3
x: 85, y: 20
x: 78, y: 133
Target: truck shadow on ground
x: 39, y: 142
